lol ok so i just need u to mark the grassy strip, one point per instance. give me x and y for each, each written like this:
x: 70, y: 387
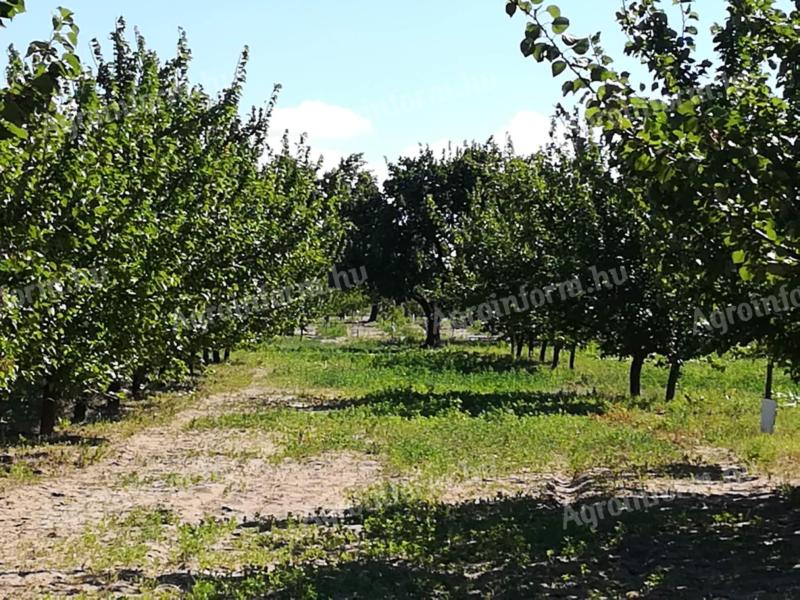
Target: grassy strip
x: 472, y: 411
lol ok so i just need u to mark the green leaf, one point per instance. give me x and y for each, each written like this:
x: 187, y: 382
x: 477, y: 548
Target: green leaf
x: 559, y: 67
x: 598, y: 73
x: 769, y: 229
x: 582, y: 46
x: 560, y: 25
x: 511, y: 8
x: 539, y: 51
x: 18, y: 132
x: 73, y: 62
x: 745, y: 274
x: 9, y: 9
x: 686, y: 108
x: 533, y: 32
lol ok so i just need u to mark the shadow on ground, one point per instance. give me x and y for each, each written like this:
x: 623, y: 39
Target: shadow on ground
x: 409, y: 403
x: 18, y: 451
x: 702, y: 547
x: 55, y: 440
x: 462, y: 362
x: 702, y: 472
x: 393, y: 355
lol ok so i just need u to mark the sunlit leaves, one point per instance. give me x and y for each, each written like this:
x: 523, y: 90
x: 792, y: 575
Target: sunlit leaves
x: 159, y: 205
x: 9, y: 9
x: 582, y: 46
x: 560, y: 25
x: 554, y: 11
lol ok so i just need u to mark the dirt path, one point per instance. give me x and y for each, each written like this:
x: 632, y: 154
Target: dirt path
x: 195, y: 474
x: 225, y: 474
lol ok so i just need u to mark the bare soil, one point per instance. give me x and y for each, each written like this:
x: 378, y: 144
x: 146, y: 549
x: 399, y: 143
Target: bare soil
x: 227, y: 474
x: 201, y: 474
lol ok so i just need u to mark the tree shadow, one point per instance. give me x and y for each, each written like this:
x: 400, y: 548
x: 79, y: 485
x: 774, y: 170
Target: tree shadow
x: 463, y: 362
x: 407, y: 355
x: 722, y: 546
x: 17, y: 440
x: 354, y: 346
x: 702, y: 472
x: 409, y: 403
x: 36, y: 456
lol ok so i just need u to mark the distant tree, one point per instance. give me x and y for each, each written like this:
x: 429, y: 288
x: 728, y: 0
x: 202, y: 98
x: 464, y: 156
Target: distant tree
x: 431, y: 201
x: 367, y: 219
x: 709, y: 143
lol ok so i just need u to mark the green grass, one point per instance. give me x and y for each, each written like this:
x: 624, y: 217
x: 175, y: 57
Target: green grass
x: 147, y: 539
x: 117, y: 542
x: 367, y: 366
x: 470, y: 410
x: 26, y: 462
x: 331, y: 330
x: 455, y: 445
x: 434, y: 418
x: 181, y: 481
x: 406, y: 546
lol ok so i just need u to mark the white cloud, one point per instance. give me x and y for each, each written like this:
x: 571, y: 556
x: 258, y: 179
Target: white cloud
x: 529, y: 131
x: 330, y: 158
x: 321, y: 121
x: 380, y: 169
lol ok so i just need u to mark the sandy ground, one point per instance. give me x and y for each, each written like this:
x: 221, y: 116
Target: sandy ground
x: 231, y: 477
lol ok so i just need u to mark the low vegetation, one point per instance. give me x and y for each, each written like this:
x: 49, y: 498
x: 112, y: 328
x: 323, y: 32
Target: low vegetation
x: 467, y: 414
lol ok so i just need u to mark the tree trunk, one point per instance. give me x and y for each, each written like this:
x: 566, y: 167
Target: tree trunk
x: 49, y: 411
x: 113, y: 401
x: 433, y: 327
x: 674, y: 375
x: 374, y: 313
x: 433, y: 324
x: 215, y: 357
x: 572, y: 352
x: 636, y: 375
x: 227, y: 356
x: 543, y: 352
x: 530, y: 346
x: 768, y: 383
x: 79, y: 410
x: 206, y: 356
x: 556, y: 356
x: 137, y: 383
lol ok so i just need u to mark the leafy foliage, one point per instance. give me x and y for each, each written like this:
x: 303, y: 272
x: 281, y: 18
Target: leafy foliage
x: 143, y: 223
x: 710, y: 144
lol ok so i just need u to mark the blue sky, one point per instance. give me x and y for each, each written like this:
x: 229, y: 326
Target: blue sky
x: 359, y: 75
